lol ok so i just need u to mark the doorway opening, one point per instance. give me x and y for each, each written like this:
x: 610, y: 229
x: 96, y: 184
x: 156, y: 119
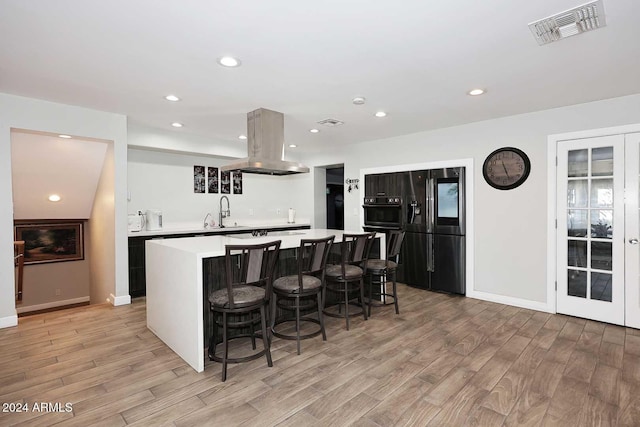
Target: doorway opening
x: 335, y: 197
x: 78, y: 172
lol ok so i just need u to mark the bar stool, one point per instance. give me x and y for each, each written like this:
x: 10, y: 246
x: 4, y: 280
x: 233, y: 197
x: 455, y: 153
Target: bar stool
x: 242, y: 303
x: 345, y: 278
x: 378, y: 271
x: 308, y: 283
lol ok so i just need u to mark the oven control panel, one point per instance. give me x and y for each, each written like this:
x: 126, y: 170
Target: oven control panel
x: 383, y: 200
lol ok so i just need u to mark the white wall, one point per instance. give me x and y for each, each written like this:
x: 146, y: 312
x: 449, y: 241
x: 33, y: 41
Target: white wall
x: 102, y: 228
x: 320, y: 197
x: 182, y: 142
x: 510, y: 226
x: 32, y: 114
x: 163, y: 180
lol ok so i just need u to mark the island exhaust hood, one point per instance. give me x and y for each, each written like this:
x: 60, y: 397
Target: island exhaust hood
x: 265, y: 144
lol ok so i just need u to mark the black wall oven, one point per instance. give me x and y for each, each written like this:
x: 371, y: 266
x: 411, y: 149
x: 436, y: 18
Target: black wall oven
x: 383, y: 212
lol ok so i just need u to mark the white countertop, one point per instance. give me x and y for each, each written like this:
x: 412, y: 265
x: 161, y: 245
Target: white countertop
x: 214, y: 246
x: 192, y: 228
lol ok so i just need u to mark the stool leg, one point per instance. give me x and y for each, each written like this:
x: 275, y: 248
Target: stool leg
x: 225, y: 347
x: 265, y: 339
x: 370, y: 293
x: 383, y: 285
x: 395, y: 293
x: 274, y: 307
x: 253, y: 331
x: 320, y: 316
x: 346, y: 304
x: 298, y: 323
x: 213, y: 339
x: 364, y: 311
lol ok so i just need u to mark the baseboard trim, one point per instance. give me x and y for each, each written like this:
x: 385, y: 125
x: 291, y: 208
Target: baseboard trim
x: 516, y: 302
x: 121, y: 300
x: 53, y: 304
x: 9, y: 321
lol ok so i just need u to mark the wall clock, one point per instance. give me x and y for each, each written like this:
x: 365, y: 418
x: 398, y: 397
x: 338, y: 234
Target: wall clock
x: 506, y: 168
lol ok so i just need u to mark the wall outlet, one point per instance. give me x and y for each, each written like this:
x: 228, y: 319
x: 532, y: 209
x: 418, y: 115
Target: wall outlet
x: 278, y: 211
x: 58, y: 292
x: 250, y: 212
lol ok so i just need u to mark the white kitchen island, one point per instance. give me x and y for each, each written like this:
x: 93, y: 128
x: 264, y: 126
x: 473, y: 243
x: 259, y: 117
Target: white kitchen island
x: 174, y: 277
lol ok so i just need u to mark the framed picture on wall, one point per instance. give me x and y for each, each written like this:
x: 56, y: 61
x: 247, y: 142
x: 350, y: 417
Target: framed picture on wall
x: 225, y: 182
x: 46, y: 241
x: 237, y: 182
x: 212, y: 177
x: 199, y: 184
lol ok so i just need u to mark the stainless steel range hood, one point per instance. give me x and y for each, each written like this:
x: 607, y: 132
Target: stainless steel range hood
x: 265, y: 144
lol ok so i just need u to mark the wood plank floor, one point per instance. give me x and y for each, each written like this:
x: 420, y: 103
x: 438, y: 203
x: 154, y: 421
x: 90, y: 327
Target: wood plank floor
x: 444, y: 361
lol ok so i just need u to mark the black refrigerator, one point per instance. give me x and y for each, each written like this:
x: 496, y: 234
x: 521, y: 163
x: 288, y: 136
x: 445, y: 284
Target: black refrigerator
x: 434, y: 243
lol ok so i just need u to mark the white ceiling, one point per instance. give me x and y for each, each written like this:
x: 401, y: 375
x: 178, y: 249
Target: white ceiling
x: 42, y: 165
x: 414, y: 59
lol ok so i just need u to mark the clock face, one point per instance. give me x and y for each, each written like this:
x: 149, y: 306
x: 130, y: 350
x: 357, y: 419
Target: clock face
x: 506, y: 168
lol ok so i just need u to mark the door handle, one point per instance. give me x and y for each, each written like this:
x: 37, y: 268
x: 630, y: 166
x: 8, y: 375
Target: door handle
x: 633, y: 241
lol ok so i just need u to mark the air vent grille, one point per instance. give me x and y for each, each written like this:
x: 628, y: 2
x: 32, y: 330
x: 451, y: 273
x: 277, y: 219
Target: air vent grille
x: 330, y: 122
x: 589, y: 16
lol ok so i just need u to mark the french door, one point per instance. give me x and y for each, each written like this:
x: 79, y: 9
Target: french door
x: 597, y: 230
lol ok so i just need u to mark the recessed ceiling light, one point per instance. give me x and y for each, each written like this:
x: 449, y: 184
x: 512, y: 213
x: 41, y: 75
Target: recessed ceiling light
x: 172, y: 98
x: 64, y: 136
x: 381, y: 114
x: 292, y: 145
x: 314, y: 130
x: 242, y: 137
x: 229, y: 61
x: 54, y: 198
x: 358, y: 100
x: 476, y: 92
x: 177, y: 125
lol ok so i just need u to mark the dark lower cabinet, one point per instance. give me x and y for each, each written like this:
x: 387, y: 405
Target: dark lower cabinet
x: 137, y: 279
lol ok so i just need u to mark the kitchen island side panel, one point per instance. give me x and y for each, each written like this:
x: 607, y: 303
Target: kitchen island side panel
x: 174, y: 301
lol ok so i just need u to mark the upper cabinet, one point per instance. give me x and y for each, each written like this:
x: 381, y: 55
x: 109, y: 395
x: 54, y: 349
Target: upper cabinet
x: 383, y: 184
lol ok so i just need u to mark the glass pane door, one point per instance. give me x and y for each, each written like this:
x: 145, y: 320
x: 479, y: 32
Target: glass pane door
x: 632, y: 230
x: 590, y: 216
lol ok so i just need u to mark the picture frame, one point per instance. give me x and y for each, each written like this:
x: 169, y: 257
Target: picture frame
x: 212, y: 178
x: 51, y: 241
x: 199, y: 182
x: 237, y: 182
x: 225, y: 182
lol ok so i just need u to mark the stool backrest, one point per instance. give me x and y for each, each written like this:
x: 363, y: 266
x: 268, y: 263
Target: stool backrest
x: 312, y: 257
x: 251, y: 265
x: 394, y: 243
x: 355, y: 249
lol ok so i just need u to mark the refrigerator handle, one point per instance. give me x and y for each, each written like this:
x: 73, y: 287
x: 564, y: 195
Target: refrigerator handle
x: 432, y: 201
x: 430, y: 258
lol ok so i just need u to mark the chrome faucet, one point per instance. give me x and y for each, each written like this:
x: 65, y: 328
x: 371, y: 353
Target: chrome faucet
x: 224, y: 213
x: 206, y: 220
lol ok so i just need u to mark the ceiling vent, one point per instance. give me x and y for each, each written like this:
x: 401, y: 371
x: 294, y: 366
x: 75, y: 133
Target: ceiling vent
x: 330, y: 122
x: 589, y: 16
